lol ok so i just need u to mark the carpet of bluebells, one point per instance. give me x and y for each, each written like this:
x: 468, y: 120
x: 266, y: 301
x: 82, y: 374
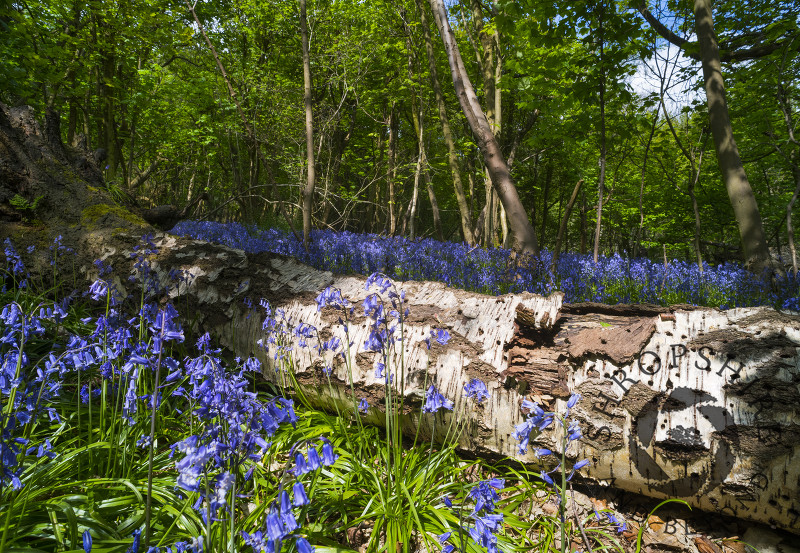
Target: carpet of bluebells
x: 612, y: 280
x: 118, y: 436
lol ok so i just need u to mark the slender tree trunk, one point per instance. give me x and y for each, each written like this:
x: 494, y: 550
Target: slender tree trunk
x: 422, y: 166
x: 602, y: 180
x: 374, y: 187
x: 745, y: 207
x: 138, y: 181
x: 548, y: 178
x: 486, y: 61
x: 789, y: 225
x: 562, y: 229
x: 452, y: 153
x: 584, y: 210
x: 488, y: 222
x: 411, y: 214
x: 696, y: 209
x: 524, y: 234
x: 308, y: 191
x: 437, y: 220
x: 640, y: 231
x: 390, y: 168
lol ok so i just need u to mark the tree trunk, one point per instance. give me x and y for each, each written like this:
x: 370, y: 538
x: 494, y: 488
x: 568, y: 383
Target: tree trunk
x: 308, y: 191
x: 391, y: 168
x: 488, y: 221
x: 789, y: 224
x: 680, y: 402
x: 601, y: 182
x: 584, y: 211
x: 696, y: 211
x: 524, y: 234
x: 640, y: 230
x: 139, y: 180
x: 411, y: 214
x: 562, y: 229
x: 548, y: 179
x: 452, y: 153
x: 745, y: 207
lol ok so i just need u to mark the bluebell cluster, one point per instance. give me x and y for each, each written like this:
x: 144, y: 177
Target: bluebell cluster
x: 613, y: 279
x: 537, y: 420
x: 123, y: 356
x: 120, y: 356
x: 482, y: 524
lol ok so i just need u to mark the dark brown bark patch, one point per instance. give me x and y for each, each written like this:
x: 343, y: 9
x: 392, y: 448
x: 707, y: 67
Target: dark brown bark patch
x: 620, y: 339
x: 623, y: 309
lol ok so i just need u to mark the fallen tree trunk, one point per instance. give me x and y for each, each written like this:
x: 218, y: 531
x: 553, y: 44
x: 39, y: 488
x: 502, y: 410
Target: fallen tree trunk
x: 681, y: 402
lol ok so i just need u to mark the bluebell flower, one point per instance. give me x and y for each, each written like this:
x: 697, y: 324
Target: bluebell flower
x: 441, y: 335
x: 275, y: 529
x: 299, y: 493
x: 573, y: 400
x: 314, y: 462
x: 303, y: 546
x: 300, y: 466
x: 621, y: 525
x: 137, y: 535
x: 363, y: 405
x: 87, y: 541
x: 434, y: 401
x: 477, y: 390
x: 328, y: 456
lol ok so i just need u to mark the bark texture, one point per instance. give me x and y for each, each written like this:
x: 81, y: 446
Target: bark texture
x: 745, y: 208
x: 681, y: 402
x: 524, y: 234
x: 308, y: 190
x: 452, y: 154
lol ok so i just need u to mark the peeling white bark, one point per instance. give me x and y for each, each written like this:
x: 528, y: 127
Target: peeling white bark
x: 696, y: 404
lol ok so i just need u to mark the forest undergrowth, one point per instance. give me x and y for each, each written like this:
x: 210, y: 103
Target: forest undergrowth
x: 614, y: 279
x: 119, y: 436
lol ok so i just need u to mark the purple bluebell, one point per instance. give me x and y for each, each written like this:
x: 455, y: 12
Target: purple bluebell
x: 299, y: 493
x: 441, y: 335
x: 87, y: 541
x: 573, y: 400
x: 434, y: 401
x: 314, y: 462
x: 300, y: 466
x: 303, y: 546
x: 275, y: 529
x: 328, y: 456
x: 477, y: 390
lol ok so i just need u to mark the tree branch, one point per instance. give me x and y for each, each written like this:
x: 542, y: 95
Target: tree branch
x: 692, y: 50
